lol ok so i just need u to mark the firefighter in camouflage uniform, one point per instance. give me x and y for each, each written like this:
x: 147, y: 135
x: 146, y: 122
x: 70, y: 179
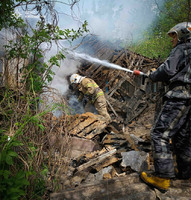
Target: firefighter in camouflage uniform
x: 173, y: 123
x: 93, y: 93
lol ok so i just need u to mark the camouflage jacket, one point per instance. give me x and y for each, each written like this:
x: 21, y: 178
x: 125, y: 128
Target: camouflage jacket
x: 90, y: 88
x: 176, y: 72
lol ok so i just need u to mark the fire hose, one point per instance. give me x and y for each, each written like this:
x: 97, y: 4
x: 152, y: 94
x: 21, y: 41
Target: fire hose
x: 137, y: 73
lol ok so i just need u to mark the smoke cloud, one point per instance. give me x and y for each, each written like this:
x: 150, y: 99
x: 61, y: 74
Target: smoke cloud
x: 116, y: 19
x: 67, y: 67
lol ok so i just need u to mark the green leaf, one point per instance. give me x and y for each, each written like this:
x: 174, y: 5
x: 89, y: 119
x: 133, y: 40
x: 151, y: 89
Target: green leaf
x: 20, y: 175
x: 44, y: 171
x: 17, y: 143
x: 25, y: 182
x: 6, y: 173
x: 12, y: 153
x: 9, y: 160
x: 16, y: 191
x: 29, y: 173
x: 41, y: 127
x: 33, y: 149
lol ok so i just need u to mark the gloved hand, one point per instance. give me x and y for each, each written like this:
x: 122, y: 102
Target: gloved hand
x: 84, y: 102
x: 153, y: 69
x: 150, y: 71
x: 71, y: 87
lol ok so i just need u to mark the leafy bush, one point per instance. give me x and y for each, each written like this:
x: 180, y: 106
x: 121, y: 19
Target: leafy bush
x: 23, y: 130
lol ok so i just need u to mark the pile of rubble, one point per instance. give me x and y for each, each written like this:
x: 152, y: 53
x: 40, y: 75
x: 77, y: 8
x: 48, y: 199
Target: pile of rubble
x: 104, y: 160
x: 99, y: 150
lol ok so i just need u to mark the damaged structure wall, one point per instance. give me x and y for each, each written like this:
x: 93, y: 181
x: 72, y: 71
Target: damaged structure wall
x: 127, y: 95
x: 9, y: 68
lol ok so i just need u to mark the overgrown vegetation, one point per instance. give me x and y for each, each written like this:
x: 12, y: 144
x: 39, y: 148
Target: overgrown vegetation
x: 156, y: 42
x: 25, y: 157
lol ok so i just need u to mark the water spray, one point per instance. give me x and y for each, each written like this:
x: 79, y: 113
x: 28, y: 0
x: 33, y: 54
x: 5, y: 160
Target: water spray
x: 104, y: 63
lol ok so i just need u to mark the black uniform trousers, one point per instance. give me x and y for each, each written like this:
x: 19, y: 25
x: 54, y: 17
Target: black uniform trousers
x: 173, y: 124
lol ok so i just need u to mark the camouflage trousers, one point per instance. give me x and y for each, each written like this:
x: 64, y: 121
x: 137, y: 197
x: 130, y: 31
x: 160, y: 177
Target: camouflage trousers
x: 101, y: 107
x: 172, y: 133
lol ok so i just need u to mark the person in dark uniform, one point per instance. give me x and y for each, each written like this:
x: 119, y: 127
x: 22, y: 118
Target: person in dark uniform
x: 173, y: 123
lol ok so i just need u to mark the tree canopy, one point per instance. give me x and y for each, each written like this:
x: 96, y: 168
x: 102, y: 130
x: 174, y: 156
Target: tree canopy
x: 156, y: 42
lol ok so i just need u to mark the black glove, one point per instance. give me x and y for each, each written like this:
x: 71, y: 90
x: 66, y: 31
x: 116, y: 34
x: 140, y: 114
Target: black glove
x: 71, y: 87
x: 143, y: 78
x: 86, y: 99
x: 84, y: 102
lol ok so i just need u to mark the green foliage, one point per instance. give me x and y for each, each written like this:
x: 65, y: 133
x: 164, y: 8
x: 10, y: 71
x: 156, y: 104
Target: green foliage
x: 23, y: 169
x: 8, y: 17
x: 14, y: 177
x: 153, y: 47
x: 156, y: 42
x: 36, y: 74
x: 12, y: 180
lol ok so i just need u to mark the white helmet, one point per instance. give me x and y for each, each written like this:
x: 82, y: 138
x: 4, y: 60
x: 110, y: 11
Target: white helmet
x: 183, y: 31
x: 76, y: 78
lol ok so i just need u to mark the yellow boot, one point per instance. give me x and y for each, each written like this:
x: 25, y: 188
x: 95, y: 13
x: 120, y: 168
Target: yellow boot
x: 161, y: 184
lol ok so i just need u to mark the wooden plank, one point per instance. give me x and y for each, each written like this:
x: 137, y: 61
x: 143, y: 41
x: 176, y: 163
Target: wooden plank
x: 72, y: 122
x: 96, y: 160
x: 117, y: 105
x: 117, y: 57
x: 131, y: 66
x: 125, y: 78
x: 112, y: 79
x: 85, y: 124
x: 113, y: 110
x: 97, y: 71
x: 83, y: 127
x: 91, y: 69
x: 114, y: 139
x: 98, y: 128
x: 120, y: 59
x: 106, y: 163
x: 137, y: 113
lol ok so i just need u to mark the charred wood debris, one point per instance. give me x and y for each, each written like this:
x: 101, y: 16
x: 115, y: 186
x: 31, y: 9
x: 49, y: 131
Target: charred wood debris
x: 95, y: 149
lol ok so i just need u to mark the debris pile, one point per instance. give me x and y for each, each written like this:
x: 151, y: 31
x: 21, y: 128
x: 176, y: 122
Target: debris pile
x: 107, y: 165
x: 97, y: 150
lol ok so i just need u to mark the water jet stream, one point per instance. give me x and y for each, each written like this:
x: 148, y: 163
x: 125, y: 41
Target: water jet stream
x: 102, y: 62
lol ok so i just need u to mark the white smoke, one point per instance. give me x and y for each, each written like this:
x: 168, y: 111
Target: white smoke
x: 67, y: 67
x: 60, y: 84
x: 116, y: 19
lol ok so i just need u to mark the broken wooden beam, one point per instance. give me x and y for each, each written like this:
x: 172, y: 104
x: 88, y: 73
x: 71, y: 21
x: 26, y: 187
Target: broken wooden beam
x: 96, y: 160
